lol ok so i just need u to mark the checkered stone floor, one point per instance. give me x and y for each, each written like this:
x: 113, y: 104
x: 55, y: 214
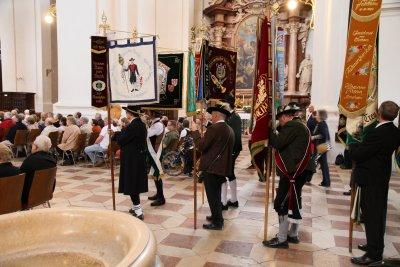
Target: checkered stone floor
x: 323, y: 233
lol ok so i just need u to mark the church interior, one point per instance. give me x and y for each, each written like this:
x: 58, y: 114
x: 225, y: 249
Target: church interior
x: 65, y: 62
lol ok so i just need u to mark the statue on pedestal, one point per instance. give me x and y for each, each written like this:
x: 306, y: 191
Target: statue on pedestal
x: 305, y: 75
x: 304, y: 30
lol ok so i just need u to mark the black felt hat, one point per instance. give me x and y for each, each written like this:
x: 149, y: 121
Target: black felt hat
x: 220, y: 107
x: 230, y: 99
x: 285, y: 110
x: 132, y: 109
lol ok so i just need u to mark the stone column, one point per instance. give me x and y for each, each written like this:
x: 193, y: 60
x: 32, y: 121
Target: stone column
x: 293, y: 28
x: 218, y: 34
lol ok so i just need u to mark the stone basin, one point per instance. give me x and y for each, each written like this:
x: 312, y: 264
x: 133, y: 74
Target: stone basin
x: 75, y: 237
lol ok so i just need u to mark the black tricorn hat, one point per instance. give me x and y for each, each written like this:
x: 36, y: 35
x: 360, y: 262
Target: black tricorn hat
x: 288, y: 109
x: 131, y: 59
x: 220, y: 107
x: 132, y: 109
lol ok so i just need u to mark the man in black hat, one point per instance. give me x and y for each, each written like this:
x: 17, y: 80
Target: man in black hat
x: 293, y: 149
x: 235, y: 122
x: 216, y: 159
x: 133, y: 172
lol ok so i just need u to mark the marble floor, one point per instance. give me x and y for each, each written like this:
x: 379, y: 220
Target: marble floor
x: 324, y: 229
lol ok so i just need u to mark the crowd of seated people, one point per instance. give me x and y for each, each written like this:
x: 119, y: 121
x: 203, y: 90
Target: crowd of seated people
x: 69, y: 127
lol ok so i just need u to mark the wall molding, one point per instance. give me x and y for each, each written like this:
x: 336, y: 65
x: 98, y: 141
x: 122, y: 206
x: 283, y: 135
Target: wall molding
x: 391, y: 5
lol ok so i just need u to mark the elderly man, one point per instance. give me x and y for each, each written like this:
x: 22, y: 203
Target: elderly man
x: 293, y: 145
x: 18, y: 125
x: 216, y: 159
x: 49, y: 127
x: 5, y: 125
x: 372, y: 171
x: 39, y: 159
x: 6, y: 167
x: 101, y: 143
x: 133, y: 172
x: 69, y: 139
x: 85, y: 128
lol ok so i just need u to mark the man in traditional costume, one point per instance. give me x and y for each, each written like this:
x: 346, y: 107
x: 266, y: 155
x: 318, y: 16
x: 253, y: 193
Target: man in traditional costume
x: 235, y: 122
x: 372, y: 171
x: 155, y: 136
x: 133, y: 70
x: 293, y: 149
x: 216, y: 159
x: 133, y: 172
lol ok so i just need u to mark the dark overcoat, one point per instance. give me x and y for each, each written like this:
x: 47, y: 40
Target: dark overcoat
x: 216, y: 149
x: 133, y: 172
x: 235, y: 122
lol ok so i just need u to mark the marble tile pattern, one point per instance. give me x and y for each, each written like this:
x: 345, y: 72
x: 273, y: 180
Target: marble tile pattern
x: 324, y: 229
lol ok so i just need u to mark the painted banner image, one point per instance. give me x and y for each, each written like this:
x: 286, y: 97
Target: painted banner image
x: 132, y: 70
x: 169, y: 81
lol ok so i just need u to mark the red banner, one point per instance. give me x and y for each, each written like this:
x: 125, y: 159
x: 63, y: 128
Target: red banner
x: 261, y: 102
x: 361, y: 42
x: 99, y: 71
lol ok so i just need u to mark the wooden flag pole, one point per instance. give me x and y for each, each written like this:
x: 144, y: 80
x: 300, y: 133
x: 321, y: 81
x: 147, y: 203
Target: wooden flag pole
x: 273, y: 174
x: 111, y: 151
x: 351, y: 221
x: 202, y: 134
x: 105, y: 27
x: 267, y: 183
x: 271, y: 158
x: 195, y: 187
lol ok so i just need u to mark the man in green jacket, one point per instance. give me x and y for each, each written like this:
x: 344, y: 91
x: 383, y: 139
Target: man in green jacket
x: 293, y: 149
x: 235, y: 122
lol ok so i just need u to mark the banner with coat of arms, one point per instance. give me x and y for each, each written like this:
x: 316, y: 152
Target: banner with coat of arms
x: 132, y: 71
x: 170, y: 81
x: 220, y: 73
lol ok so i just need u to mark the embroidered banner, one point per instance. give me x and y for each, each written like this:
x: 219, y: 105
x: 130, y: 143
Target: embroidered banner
x: 262, y: 103
x: 99, y: 71
x: 170, y: 81
x: 280, y: 62
x: 133, y: 71
x: 361, y: 40
x: 220, y: 78
x: 191, y: 87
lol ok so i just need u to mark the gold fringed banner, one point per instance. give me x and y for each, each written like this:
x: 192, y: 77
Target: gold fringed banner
x: 361, y: 41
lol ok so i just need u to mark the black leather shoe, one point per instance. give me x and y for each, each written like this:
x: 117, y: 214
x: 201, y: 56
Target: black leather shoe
x: 274, y: 243
x: 133, y: 213
x: 324, y: 185
x: 233, y: 204
x: 363, y: 247
x: 209, y: 218
x: 293, y: 240
x: 152, y: 197
x: 158, y: 202
x: 347, y: 193
x: 364, y: 260
x: 211, y: 226
x: 224, y: 207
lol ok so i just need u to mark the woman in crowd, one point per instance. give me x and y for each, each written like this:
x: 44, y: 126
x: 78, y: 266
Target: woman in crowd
x: 31, y: 122
x: 6, y: 167
x: 40, y: 159
x: 63, y: 124
x: 321, y: 137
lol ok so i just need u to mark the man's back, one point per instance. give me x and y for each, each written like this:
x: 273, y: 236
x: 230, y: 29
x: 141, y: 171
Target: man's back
x: 373, y: 156
x: 219, y: 139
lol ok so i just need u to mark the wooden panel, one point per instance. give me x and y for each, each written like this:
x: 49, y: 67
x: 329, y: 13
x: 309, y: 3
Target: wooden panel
x: 22, y: 101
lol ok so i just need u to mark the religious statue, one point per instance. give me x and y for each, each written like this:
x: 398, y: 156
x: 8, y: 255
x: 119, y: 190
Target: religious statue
x: 304, y: 30
x: 305, y: 75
